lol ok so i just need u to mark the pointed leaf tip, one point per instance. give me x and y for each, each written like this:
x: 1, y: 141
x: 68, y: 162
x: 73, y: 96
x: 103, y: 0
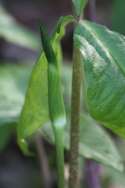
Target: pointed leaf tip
x: 79, y: 6
x: 24, y: 146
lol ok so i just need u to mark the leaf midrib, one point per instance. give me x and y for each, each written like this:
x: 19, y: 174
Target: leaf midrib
x: 101, y: 45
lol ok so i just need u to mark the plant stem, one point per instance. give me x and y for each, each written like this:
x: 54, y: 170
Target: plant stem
x: 44, y: 167
x: 59, y: 141
x: 92, y: 172
x: 75, y: 118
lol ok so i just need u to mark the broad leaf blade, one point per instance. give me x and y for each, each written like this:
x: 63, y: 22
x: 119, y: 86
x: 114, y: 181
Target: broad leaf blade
x: 13, y: 84
x: 103, y: 60
x: 35, y: 111
x: 95, y: 143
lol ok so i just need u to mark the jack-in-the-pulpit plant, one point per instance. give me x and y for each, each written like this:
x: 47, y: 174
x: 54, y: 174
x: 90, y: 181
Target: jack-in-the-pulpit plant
x: 98, y: 78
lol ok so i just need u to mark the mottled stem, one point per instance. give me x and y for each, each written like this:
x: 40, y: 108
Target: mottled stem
x: 59, y: 140
x: 75, y: 118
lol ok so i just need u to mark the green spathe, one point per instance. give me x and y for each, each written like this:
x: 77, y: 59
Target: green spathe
x: 36, y: 109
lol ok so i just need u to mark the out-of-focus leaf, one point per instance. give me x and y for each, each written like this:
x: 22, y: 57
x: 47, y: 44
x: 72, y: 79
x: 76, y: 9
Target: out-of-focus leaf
x: 118, y: 15
x: 13, y: 84
x: 98, y: 144
x: 104, y: 64
x: 36, y: 112
x: 79, y: 5
x: 94, y: 142
x: 13, y: 32
x: 67, y: 85
x: 117, y: 179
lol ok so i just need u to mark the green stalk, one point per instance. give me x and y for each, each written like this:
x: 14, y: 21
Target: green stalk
x: 58, y: 117
x: 56, y: 104
x: 59, y: 140
x: 75, y: 118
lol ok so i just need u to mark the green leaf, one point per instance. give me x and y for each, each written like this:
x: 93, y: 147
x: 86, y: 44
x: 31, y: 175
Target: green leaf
x: 95, y: 143
x: 35, y: 111
x: 67, y: 81
x: 116, y: 177
x: 13, y: 32
x: 13, y: 84
x: 103, y: 60
x: 79, y: 5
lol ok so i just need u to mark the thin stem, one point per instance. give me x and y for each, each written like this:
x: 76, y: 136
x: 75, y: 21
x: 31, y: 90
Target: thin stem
x: 92, y: 173
x: 59, y: 141
x: 44, y: 167
x: 75, y: 118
